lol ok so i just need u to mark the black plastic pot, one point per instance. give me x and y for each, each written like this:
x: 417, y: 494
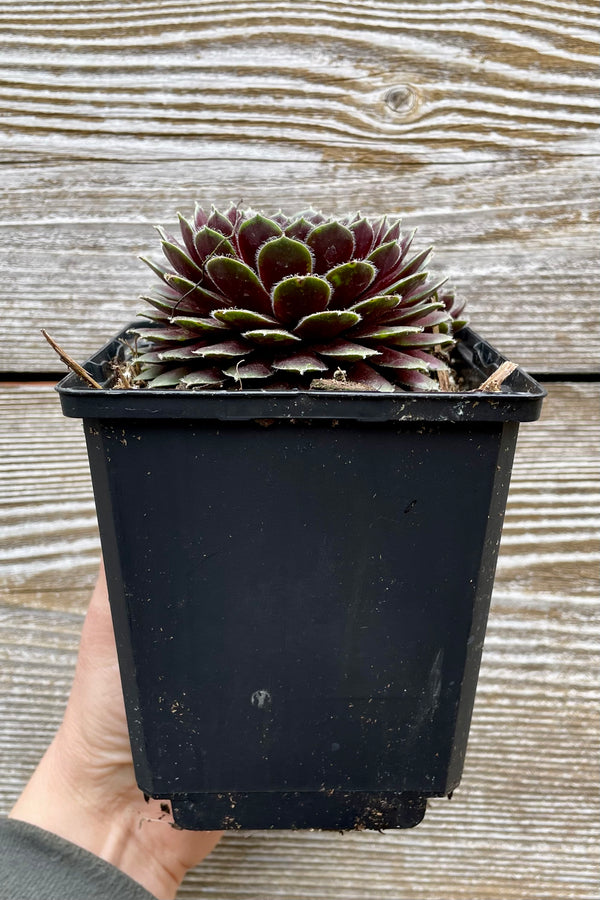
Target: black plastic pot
x: 300, y: 583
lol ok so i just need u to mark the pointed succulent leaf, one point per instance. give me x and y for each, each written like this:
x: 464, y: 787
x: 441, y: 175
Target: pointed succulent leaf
x: 182, y: 262
x: 385, y: 256
x: 299, y: 296
x: 157, y: 268
x: 301, y: 364
x: 218, y: 222
x: 253, y: 233
x: 200, y: 217
x: 282, y: 258
x: 324, y: 325
x: 418, y: 381
x: 243, y: 319
x: 425, y: 339
x: 393, y: 359
x: 349, y: 281
x: 417, y: 294
x: 405, y: 315
x: 404, y: 285
x: 209, y: 243
x: 299, y: 229
x: 187, y: 352
x: 169, y: 379
x: 225, y: 350
x: 271, y: 337
x: 204, y: 378
x: 432, y: 362
x: 382, y: 334
x: 332, y: 244
x: 152, y: 357
x: 375, y: 307
x: 245, y: 370
x: 363, y: 238
x: 155, y: 315
x: 380, y: 229
x: 372, y: 379
x: 148, y: 372
x: 344, y: 350
x: 239, y: 283
x: 436, y: 317
x: 206, y: 326
x: 416, y: 263
x: 167, y: 335
x: 187, y: 233
x: 202, y: 299
x: 393, y: 232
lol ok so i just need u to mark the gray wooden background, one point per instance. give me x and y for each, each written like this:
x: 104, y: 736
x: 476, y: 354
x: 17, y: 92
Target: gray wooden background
x: 476, y: 119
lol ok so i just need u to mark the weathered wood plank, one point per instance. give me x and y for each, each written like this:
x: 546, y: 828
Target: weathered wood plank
x: 519, y: 240
x: 458, y: 80
x: 522, y: 826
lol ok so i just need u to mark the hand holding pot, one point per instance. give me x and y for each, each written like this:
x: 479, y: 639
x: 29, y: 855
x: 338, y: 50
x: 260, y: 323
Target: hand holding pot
x: 84, y: 788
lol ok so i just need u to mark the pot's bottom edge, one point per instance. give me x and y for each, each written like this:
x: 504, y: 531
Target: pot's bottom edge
x: 324, y: 810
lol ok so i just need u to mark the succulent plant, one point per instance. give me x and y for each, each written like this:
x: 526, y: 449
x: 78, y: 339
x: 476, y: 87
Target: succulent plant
x: 258, y: 301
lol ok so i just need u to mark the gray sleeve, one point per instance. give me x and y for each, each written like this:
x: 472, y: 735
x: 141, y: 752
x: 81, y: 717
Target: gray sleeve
x: 38, y: 865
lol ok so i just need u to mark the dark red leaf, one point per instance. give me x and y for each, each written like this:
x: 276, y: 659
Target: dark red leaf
x: 253, y: 233
x: 281, y: 258
x: 237, y: 281
x: 299, y: 296
x: 349, y: 281
x: 332, y: 244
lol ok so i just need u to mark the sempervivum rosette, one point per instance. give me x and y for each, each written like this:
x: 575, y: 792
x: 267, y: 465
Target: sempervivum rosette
x: 277, y: 301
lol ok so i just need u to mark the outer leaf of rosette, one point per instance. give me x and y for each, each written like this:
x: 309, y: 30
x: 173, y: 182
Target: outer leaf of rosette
x: 348, y: 282
x: 200, y: 325
x: 299, y: 296
x: 245, y: 370
x: 417, y: 381
x: 169, y: 335
x: 225, y: 350
x: 202, y: 300
x: 326, y: 325
x: 385, y: 256
x: 301, y: 364
x: 423, y: 340
x: 204, y: 378
x: 271, y: 337
x: 282, y: 258
x: 169, y: 379
x: 332, y: 245
x: 243, y: 319
x: 394, y: 359
x: 375, y: 307
x: 239, y: 283
x: 372, y: 379
x: 345, y: 351
x: 385, y: 334
x: 253, y: 233
x: 181, y: 261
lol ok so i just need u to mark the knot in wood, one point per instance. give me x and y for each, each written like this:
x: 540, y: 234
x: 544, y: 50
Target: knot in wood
x: 403, y: 100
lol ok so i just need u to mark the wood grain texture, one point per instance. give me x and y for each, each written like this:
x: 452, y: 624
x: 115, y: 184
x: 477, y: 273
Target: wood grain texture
x: 461, y: 80
x: 523, y: 824
x: 516, y: 238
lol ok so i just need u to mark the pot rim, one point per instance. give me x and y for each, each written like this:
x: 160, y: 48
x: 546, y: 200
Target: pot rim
x: 519, y: 400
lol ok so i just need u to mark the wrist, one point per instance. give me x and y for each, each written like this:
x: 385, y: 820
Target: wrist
x: 69, y: 799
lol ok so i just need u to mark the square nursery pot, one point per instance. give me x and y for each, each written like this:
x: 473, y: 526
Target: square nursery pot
x: 300, y: 583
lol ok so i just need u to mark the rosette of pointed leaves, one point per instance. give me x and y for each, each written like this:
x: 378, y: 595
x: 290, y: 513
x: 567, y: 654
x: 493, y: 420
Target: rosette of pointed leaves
x: 260, y: 301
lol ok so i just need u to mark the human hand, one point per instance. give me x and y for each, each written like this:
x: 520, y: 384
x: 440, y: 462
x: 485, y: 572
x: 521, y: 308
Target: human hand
x: 84, y: 788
